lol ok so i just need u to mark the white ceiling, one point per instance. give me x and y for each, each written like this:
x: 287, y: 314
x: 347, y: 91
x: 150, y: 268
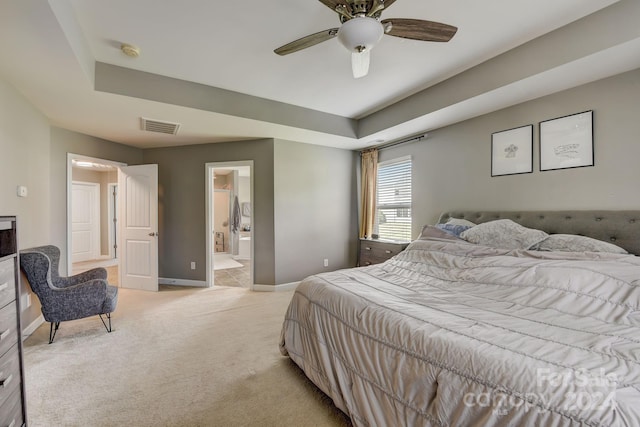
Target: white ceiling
x: 49, y: 50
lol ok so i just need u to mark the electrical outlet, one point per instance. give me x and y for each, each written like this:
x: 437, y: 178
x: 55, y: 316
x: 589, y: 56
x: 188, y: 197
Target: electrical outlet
x: 22, y: 191
x: 193, y: 265
x: 26, y: 300
x: 326, y: 262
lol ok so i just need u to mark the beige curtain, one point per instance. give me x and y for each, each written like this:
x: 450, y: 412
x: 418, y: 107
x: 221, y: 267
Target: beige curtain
x: 369, y: 175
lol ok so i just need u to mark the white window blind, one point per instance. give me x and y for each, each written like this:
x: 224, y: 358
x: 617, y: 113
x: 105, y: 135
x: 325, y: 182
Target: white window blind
x: 393, y: 201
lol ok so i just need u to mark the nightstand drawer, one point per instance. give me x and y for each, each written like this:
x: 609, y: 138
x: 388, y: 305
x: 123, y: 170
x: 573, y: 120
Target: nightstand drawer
x: 376, y: 251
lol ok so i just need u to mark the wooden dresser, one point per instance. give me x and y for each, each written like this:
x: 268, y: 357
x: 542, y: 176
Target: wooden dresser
x: 12, y: 391
x: 377, y: 251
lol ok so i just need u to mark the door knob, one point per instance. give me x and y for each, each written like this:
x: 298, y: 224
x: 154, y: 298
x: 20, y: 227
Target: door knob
x: 153, y: 234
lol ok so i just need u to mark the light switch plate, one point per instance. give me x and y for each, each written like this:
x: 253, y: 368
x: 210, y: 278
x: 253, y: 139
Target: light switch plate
x: 22, y: 191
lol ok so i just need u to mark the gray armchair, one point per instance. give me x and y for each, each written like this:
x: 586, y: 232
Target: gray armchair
x: 67, y: 298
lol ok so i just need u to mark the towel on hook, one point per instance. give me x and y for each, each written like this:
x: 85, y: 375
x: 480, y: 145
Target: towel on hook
x: 235, y: 217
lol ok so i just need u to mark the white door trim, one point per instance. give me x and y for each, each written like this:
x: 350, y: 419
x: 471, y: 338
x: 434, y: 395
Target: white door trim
x: 112, y: 213
x: 209, y: 169
x: 70, y: 158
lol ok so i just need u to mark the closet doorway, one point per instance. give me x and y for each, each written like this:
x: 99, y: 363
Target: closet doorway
x: 230, y: 242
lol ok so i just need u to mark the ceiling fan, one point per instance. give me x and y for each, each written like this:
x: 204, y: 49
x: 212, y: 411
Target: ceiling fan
x: 362, y: 29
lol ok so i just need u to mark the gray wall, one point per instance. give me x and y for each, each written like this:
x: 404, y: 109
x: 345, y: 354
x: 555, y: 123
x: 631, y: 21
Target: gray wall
x: 452, y: 167
x: 302, y: 193
x: 315, y: 209
x: 182, y: 210
x: 24, y: 160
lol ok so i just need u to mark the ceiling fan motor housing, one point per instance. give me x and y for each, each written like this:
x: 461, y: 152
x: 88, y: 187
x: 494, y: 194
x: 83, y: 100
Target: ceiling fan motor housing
x: 360, y: 7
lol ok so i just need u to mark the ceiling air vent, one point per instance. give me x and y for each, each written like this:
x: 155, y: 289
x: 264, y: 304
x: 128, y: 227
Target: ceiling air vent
x: 151, y: 125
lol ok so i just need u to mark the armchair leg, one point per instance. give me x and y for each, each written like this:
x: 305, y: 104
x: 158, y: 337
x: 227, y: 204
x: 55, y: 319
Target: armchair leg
x: 104, y: 323
x: 52, y: 331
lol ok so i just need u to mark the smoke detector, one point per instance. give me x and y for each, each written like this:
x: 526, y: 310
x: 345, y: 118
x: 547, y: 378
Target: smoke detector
x: 130, y: 50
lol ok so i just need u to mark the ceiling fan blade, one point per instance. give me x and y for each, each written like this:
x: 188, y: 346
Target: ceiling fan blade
x: 360, y: 63
x: 331, y: 4
x: 388, y: 3
x: 417, y: 29
x: 308, y: 41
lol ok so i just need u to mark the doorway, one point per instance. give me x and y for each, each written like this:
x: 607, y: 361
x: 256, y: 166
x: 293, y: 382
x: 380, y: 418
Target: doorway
x: 229, y: 201
x: 91, y: 215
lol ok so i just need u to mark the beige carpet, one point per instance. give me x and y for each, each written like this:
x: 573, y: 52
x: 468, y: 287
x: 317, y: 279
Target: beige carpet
x: 179, y: 357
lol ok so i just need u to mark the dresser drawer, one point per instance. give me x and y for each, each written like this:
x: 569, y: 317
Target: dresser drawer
x: 8, y: 328
x: 11, y: 410
x: 7, y: 282
x: 9, y: 376
x: 12, y: 405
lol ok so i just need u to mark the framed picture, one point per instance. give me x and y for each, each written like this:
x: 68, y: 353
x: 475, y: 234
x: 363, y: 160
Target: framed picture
x: 246, y: 209
x: 567, y: 142
x: 512, y: 151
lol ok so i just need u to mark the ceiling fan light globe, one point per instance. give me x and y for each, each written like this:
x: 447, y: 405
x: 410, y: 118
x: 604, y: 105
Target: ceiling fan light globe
x: 360, y: 33
x: 360, y: 64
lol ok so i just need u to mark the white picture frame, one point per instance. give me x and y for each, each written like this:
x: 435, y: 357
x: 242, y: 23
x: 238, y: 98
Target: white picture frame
x: 246, y: 209
x: 567, y: 142
x: 512, y: 151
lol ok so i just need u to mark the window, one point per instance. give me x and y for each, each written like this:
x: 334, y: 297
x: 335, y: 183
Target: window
x: 393, y: 203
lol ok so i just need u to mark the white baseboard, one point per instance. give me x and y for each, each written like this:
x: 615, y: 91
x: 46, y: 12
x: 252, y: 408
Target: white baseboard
x: 182, y: 282
x: 32, y: 327
x: 275, y: 288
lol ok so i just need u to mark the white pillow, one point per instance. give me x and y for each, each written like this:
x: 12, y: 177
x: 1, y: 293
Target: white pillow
x: 460, y: 221
x: 574, y: 243
x: 505, y: 234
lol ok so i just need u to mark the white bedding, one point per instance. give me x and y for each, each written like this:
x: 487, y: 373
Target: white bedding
x: 450, y: 334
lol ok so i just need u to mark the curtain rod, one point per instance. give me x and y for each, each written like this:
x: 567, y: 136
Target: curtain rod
x: 398, y: 142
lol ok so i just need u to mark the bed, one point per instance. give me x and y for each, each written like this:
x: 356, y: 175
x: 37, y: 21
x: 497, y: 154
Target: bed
x: 452, y: 333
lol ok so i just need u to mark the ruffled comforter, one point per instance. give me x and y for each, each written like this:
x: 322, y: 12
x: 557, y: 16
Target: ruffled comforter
x: 450, y: 334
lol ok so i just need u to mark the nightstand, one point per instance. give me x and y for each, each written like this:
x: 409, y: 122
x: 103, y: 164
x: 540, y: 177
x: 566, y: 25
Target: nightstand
x: 377, y: 251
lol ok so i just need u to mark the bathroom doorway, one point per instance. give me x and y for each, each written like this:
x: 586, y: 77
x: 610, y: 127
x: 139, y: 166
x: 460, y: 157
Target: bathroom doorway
x: 229, y: 224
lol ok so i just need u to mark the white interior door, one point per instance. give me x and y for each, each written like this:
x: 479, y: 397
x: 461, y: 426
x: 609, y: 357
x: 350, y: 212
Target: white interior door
x: 85, y: 221
x: 138, y: 220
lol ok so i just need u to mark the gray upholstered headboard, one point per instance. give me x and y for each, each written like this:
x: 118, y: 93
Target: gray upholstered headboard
x: 619, y: 227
